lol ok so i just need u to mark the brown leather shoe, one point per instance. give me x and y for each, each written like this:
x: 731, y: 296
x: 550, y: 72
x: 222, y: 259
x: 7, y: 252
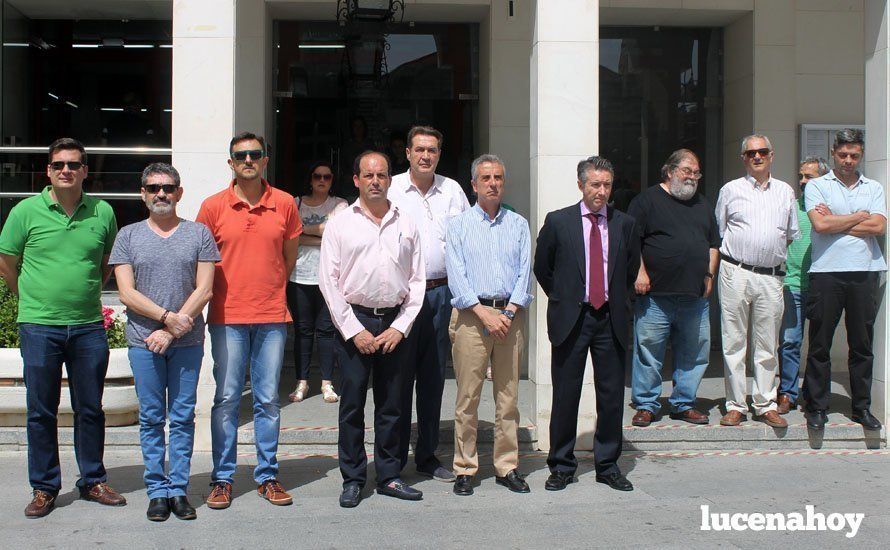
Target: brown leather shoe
x: 103, y: 494
x: 41, y: 505
x: 643, y: 418
x: 732, y: 418
x: 221, y: 495
x: 772, y: 418
x: 272, y: 491
x: 785, y: 404
x: 692, y: 416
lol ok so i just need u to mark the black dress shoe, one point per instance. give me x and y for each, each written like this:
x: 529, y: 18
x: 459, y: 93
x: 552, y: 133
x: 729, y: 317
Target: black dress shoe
x: 351, y: 495
x: 463, y: 486
x: 558, y: 481
x: 513, y: 481
x: 181, y: 507
x: 868, y: 421
x: 817, y: 419
x: 616, y: 481
x: 158, y: 509
x: 397, y: 488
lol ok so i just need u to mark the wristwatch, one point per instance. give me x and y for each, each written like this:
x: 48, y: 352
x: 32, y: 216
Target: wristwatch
x: 508, y: 314
x: 709, y: 275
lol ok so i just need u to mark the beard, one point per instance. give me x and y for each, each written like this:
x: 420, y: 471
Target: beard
x: 682, y: 189
x: 161, y: 207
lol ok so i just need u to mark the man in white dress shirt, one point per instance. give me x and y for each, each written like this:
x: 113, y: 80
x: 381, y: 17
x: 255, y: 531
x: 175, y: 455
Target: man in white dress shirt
x: 757, y: 219
x: 430, y: 200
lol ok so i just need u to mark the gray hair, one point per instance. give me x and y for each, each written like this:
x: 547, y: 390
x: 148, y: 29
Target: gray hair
x: 482, y: 159
x: 160, y: 168
x: 746, y: 139
x: 849, y: 136
x: 821, y: 164
x: 594, y: 163
x: 674, y: 161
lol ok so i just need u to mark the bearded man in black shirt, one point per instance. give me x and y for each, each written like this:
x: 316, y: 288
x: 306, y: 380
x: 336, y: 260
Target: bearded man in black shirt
x: 679, y: 256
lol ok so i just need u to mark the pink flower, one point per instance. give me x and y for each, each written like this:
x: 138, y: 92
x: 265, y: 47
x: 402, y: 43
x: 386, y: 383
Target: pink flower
x: 107, y: 317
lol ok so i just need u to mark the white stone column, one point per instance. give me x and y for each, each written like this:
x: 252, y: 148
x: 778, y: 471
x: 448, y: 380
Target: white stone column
x: 877, y: 166
x: 564, y: 129
x: 203, y: 120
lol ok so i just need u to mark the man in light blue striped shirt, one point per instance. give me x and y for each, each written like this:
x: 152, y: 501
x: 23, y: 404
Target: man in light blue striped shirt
x: 488, y: 259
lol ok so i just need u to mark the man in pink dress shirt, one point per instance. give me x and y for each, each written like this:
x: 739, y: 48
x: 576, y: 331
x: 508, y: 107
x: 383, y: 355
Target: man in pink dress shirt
x: 372, y: 277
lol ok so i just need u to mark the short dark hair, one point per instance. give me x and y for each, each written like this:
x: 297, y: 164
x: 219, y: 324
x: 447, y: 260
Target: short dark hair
x: 594, y: 163
x: 849, y: 136
x: 674, y: 161
x: 67, y: 144
x: 424, y: 131
x: 160, y: 168
x: 245, y: 136
x: 356, y: 166
x: 306, y: 188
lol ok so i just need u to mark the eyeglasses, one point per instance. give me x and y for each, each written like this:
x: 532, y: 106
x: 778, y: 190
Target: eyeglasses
x: 751, y: 153
x: 429, y: 211
x: 255, y: 154
x: 155, y: 188
x: 689, y: 173
x: 72, y: 165
x: 322, y: 177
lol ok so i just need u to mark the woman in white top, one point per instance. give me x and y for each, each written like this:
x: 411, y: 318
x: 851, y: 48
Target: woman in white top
x: 307, y: 306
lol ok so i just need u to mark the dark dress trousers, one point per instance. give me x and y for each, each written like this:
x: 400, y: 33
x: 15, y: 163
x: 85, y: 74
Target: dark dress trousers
x: 576, y: 329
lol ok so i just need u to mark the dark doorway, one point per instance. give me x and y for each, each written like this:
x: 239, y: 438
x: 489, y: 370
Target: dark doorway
x: 660, y: 89
x: 342, y: 90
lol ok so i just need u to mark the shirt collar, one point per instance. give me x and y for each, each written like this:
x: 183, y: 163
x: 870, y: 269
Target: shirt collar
x: 750, y: 179
x: 862, y: 179
x: 483, y: 215
x: 266, y: 199
x: 50, y: 203
x: 393, y: 211
x: 436, y: 186
x: 585, y: 210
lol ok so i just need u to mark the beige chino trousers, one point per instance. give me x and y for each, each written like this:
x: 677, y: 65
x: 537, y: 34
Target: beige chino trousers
x: 471, y: 350
x: 749, y: 299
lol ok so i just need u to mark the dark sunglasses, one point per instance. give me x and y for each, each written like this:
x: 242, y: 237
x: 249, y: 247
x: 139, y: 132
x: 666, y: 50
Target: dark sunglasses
x: 322, y: 177
x: 255, y: 154
x: 751, y: 153
x: 155, y: 188
x: 59, y: 165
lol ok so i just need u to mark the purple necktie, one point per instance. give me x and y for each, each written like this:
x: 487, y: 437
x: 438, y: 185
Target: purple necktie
x: 595, y: 276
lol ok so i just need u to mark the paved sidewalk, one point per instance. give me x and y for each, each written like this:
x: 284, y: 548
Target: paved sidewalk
x: 663, y: 512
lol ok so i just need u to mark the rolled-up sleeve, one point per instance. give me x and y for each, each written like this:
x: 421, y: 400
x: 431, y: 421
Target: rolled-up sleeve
x: 458, y: 283
x: 328, y: 283
x: 720, y: 213
x: 793, y: 231
x: 520, y: 295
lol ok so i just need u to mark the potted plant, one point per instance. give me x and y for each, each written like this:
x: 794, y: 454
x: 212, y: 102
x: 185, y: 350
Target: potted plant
x: 119, y: 398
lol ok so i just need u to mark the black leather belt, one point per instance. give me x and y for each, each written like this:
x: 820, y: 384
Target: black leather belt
x: 755, y: 268
x: 436, y: 283
x: 376, y: 311
x: 497, y: 303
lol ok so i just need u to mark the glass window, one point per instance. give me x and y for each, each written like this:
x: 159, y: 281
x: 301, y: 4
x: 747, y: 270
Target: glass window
x: 660, y: 90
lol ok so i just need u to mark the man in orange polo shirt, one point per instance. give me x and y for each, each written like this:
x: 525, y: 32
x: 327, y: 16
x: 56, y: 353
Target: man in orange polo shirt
x: 256, y: 228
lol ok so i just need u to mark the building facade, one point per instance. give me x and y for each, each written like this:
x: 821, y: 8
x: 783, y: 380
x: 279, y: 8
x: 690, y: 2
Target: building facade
x: 542, y: 83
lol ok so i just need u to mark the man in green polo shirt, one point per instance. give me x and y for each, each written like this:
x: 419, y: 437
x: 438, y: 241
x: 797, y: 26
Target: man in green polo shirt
x: 62, y: 239
x: 796, y: 284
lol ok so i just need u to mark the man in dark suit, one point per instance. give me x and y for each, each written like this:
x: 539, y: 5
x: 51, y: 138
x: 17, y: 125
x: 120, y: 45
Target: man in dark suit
x: 586, y: 262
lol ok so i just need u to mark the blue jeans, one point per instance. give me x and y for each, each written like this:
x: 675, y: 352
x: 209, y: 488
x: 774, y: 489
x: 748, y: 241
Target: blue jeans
x: 166, y: 385
x: 792, y: 337
x: 685, y: 321
x: 84, y: 350
x: 233, y: 347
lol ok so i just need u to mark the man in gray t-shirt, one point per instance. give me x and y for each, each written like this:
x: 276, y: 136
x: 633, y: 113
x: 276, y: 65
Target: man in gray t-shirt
x: 164, y: 269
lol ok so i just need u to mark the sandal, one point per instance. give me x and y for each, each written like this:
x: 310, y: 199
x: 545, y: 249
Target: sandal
x: 330, y: 396
x: 300, y: 393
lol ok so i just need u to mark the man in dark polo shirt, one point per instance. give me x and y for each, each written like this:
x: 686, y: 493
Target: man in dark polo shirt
x: 62, y: 238
x: 680, y: 251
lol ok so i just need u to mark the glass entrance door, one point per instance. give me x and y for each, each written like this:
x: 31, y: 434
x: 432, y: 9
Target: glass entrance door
x: 343, y: 90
